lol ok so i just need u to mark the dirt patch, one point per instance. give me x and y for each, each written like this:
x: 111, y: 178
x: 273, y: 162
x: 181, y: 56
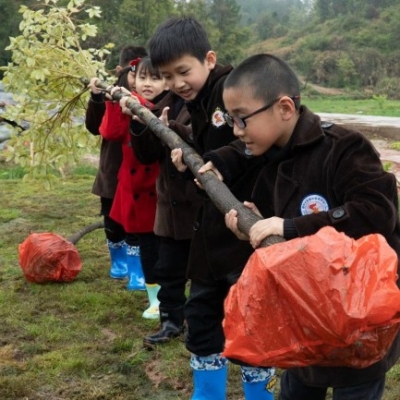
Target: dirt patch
x: 322, y: 89
x: 390, y: 133
x: 389, y: 157
x: 383, y: 137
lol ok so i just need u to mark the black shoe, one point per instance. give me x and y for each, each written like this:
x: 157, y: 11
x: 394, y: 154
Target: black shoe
x: 167, y: 332
x: 171, y: 327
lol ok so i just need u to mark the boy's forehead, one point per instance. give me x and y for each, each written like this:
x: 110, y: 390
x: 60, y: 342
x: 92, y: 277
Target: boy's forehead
x: 236, y: 92
x: 182, y: 61
x: 238, y: 98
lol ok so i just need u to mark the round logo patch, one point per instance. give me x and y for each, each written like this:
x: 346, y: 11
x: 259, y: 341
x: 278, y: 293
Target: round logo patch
x: 314, y: 203
x: 217, y: 118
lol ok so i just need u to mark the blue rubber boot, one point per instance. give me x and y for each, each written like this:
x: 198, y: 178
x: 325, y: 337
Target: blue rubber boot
x: 136, y: 279
x: 119, y: 267
x: 209, y: 377
x: 153, y: 311
x: 258, y: 383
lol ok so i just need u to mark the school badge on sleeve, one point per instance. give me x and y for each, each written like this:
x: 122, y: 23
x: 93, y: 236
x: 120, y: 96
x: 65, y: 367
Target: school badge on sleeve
x: 313, y: 203
x: 217, y: 118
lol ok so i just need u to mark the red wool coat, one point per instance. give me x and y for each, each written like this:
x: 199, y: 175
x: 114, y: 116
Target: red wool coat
x: 135, y: 200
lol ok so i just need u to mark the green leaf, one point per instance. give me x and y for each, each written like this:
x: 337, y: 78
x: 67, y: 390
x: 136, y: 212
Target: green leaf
x: 44, y: 75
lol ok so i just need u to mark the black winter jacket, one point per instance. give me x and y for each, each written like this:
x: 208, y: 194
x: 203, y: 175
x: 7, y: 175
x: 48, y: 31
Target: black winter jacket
x: 338, y: 173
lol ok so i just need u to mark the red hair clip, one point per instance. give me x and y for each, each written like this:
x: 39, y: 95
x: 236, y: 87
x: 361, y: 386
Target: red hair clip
x: 133, y: 64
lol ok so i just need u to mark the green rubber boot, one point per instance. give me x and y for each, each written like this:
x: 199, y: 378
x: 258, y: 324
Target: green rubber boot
x: 152, y: 312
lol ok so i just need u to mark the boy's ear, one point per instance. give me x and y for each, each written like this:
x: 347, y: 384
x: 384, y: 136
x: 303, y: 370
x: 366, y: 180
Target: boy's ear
x: 287, y: 107
x: 211, y: 59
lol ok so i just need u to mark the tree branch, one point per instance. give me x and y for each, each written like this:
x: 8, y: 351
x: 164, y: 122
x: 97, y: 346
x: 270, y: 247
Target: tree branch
x: 78, y: 236
x: 218, y: 192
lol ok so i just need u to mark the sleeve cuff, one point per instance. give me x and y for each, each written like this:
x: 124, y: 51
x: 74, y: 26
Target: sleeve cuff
x: 220, y: 165
x: 289, y: 229
x: 97, y: 97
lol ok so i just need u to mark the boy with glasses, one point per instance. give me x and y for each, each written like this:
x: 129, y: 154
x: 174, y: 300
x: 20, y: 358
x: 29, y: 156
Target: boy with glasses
x: 306, y: 163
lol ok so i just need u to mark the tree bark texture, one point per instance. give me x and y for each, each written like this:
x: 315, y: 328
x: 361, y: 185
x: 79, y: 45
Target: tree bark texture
x: 79, y: 235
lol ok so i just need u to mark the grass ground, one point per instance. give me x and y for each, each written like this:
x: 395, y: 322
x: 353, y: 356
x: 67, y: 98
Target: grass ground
x: 81, y: 340
x: 378, y: 106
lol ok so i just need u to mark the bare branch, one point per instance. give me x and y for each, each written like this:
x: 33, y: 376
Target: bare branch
x: 218, y: 192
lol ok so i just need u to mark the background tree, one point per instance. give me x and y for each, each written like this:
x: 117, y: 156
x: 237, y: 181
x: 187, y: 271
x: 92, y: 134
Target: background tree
x: 345, y: 43
x: 297, y: 30
x: 47, y: 63
x: 139, y: 18
x: 8, y: 27
x: 107, y: 26
x: 323, y: 9
x: 232, y: 40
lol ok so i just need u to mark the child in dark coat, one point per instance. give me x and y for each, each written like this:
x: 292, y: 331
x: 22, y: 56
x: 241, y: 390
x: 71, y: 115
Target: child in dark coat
x: 182, y: 52
x: 314, y: 174
x: 177, y: 203
x: 105, y: 183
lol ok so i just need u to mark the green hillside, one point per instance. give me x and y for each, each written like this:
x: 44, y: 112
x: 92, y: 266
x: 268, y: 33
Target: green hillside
x: 350, y: 44
x: 344, y: 44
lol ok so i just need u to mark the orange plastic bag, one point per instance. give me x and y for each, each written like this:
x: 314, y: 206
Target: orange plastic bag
x: 47, y: 257
x: 324, y: 299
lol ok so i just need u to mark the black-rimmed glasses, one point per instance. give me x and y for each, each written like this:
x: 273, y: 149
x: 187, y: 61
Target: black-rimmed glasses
x: 240, y: 122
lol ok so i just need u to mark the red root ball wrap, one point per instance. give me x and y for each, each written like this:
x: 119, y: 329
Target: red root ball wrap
x: 324, y: 300
x: 47, y: 257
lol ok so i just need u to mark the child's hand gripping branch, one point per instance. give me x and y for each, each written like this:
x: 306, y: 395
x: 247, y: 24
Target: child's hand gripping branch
x: 92, y: 86
x: 209, y: 166
x: 109, y: 91
x: 164, y: 116
x: 123, y: 101
x: 125, y: 92
x: 177, y: 160
x: 259, y: 231
x: 125, y: 109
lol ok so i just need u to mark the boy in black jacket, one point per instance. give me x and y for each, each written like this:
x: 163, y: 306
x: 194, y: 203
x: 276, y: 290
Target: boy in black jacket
x: 315, y: 174
x: 183, y: 54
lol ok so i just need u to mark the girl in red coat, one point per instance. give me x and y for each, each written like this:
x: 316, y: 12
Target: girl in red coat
x: 135, y: 200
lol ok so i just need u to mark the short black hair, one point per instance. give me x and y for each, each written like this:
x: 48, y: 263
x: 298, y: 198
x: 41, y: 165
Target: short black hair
x: 268, y: 76
x: 129, y: 53
x: 146, y: 66
x: 177, y: 37
x: 122, y: 77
